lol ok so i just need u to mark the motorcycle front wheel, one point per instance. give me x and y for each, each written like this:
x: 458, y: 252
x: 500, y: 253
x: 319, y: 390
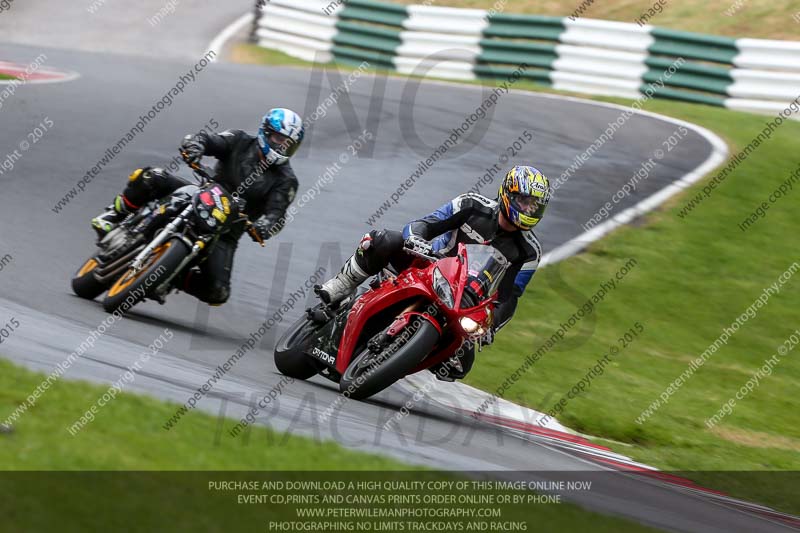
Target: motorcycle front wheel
x: 133, y: 287
x: 369, y: 372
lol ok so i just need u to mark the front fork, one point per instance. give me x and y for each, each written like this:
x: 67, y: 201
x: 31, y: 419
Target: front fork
x: 169, y: 231
x: 383, y: 339
x: 197, y: 247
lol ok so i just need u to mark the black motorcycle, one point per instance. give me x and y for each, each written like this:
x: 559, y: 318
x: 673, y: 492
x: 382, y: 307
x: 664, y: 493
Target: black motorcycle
x: 152, y: 249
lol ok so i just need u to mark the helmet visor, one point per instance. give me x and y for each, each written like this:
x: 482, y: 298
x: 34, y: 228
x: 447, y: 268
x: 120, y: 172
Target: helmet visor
x: 529, y: 206
x: 282, y: 144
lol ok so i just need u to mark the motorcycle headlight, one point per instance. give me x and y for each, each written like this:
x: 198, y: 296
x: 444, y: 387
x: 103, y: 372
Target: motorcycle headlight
x: 203, y: 219
x: 470, y: 326
x: 443, y: 289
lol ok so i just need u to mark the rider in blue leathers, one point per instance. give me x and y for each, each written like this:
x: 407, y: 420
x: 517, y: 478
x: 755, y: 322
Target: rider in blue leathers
x: 505, y: 223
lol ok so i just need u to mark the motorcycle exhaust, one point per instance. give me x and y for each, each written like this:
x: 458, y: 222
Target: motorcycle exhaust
x: 109, y: 272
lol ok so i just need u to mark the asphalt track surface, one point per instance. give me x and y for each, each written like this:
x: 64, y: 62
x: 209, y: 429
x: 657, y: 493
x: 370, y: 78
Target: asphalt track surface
x: 92, y: 112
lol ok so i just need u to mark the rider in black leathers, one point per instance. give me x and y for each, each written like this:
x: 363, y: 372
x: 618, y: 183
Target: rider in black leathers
x: 256, y: 168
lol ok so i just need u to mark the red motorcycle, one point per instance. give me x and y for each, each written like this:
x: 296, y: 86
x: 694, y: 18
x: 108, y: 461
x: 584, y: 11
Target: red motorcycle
x: 402, y: 324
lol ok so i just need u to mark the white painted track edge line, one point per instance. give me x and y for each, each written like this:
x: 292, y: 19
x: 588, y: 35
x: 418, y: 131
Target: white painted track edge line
x: 218, y: 43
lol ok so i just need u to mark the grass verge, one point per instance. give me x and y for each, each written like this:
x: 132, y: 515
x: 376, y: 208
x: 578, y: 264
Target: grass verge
x: 694, y: 276
x: 251, y: 54
x: 127, y: 435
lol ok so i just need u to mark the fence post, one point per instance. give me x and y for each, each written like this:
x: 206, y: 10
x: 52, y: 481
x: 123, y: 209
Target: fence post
x: 256, y: 19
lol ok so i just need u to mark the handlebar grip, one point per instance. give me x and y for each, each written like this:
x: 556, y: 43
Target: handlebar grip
x: 256, y: 236
x: 428, y: 255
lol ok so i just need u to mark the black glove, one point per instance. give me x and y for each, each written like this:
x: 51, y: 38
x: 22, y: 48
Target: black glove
x: 418, y: 245
x: 192, y: 150
x: 241, y: 204
x: 263, y: 227
x: 487, y: 338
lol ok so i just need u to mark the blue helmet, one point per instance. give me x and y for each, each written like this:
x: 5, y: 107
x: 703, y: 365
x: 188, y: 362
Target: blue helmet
x: 280, y: 135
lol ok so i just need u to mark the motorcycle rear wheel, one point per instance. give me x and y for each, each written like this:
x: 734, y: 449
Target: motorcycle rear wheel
x: 133, y: 287
x: 367, y: 374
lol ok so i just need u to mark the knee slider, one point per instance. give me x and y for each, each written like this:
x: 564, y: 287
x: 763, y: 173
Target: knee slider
x: 367, y: 240
x: 140, y: 186
x: 136, y: 175
x: 218, y: 294
x: 144, y: 177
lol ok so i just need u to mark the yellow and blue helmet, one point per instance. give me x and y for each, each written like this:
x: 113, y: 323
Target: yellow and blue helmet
x: 523, y: 196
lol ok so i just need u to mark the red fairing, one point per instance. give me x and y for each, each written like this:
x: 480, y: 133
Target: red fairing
x: 416, y: 283
x: 407, y: 285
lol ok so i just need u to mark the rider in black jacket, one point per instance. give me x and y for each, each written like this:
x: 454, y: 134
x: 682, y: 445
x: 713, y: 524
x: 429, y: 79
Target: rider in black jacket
x: 256, y: 168
x: 470, y: 218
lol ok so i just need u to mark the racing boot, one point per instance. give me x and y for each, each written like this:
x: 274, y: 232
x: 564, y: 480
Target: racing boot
x: 109, y: 219
x: 344, y: 283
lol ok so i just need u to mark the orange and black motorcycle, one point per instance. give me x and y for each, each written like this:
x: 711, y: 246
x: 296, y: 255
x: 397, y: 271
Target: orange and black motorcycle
x: 152, y: 249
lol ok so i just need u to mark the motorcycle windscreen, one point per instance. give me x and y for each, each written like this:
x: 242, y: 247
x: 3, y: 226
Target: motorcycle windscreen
x: 485, y: 267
